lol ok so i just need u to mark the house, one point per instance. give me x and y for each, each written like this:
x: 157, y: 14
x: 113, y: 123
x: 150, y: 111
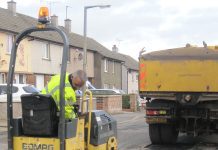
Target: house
x: 132, y: 74
x: 39, y: 55
x: 129, y: 72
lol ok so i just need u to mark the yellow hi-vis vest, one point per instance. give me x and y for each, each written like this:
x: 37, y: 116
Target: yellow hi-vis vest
x: 53, y: 88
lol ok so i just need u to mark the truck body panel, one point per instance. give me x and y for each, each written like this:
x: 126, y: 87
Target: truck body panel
x: 179, y: 70
x: 181, y: 89
x: 179, y: 76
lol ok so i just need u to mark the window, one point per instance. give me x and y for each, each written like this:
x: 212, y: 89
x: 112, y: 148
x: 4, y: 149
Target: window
x: 9, y: 43
x: 105, y: 65
x: 47, y: 51
x: 113, y: 67
x: 2, y: 78
x: 137, y: 76
x: 20, y: 79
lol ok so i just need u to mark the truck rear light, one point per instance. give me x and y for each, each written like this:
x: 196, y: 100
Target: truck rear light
x: 155, y: 112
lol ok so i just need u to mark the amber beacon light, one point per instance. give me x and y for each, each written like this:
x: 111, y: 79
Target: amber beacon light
x: 43, y: 15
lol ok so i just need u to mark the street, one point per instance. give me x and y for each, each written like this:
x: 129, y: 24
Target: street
x: 132, y: 130
x: 133, y: 135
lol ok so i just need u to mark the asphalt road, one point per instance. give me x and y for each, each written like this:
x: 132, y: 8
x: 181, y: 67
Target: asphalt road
x: 132, y: 131
x: 133, y: 134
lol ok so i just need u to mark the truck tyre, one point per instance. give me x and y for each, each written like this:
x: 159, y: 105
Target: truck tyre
x: 155, y: 133
x: 169, y: 133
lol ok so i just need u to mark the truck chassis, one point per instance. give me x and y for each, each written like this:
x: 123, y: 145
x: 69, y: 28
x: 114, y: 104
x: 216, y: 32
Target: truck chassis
x: 170, y: 113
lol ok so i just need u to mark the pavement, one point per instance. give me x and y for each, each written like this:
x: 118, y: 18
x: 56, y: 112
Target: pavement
x: 132, y: 131
x: 3, y: 134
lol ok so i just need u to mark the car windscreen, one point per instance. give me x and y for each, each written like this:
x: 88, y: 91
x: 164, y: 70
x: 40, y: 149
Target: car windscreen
x: 30, y: 89
x: 3, y: 89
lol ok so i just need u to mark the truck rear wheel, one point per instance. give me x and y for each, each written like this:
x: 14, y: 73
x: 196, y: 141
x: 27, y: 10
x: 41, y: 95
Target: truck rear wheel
x: 155, y: 133
x: 163, y: 133
x: 169, y: 134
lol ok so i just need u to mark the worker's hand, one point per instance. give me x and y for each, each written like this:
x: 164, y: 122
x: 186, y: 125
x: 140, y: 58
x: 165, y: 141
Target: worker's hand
x: 76, y: 109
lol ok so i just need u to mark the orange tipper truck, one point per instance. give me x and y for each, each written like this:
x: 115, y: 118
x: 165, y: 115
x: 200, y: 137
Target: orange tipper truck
x: 181, y: 89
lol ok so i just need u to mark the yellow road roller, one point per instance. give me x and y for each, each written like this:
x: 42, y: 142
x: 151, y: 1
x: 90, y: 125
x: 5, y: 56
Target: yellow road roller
x: 43, y: 126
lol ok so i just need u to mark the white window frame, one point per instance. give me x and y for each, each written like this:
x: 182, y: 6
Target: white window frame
x: 10, y: 40
x: 20, y: 79
x: 105, y: 65
x: 47, y: 54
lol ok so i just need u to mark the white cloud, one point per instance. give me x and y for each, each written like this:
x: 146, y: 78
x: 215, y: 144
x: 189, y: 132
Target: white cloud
x: 154, y: 24
x: 128, y: 8
x: 187, y: 5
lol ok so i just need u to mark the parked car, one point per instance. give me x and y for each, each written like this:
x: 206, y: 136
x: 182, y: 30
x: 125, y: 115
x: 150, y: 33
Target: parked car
x: 107, y: 92
x: 17, y: 90
x: 88, y: 85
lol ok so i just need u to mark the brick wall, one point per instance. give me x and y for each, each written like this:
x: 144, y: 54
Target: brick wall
x: 46, y: 79
x: 31, y: 79
x: 99, y: 103
x: 133, y: 102
x: 110, y: 103
x: 17, y: 111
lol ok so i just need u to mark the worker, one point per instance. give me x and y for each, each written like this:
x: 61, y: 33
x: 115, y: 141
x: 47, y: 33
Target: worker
x: 72, y: 82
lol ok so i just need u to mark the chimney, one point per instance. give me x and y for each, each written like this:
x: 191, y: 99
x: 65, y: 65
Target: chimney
x: 115, y: 48
x: 12, y: 7
x: 54, y: 20
x: 67, y: 25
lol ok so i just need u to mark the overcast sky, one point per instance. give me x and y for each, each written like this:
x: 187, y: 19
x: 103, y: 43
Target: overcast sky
x: 134, y: 24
